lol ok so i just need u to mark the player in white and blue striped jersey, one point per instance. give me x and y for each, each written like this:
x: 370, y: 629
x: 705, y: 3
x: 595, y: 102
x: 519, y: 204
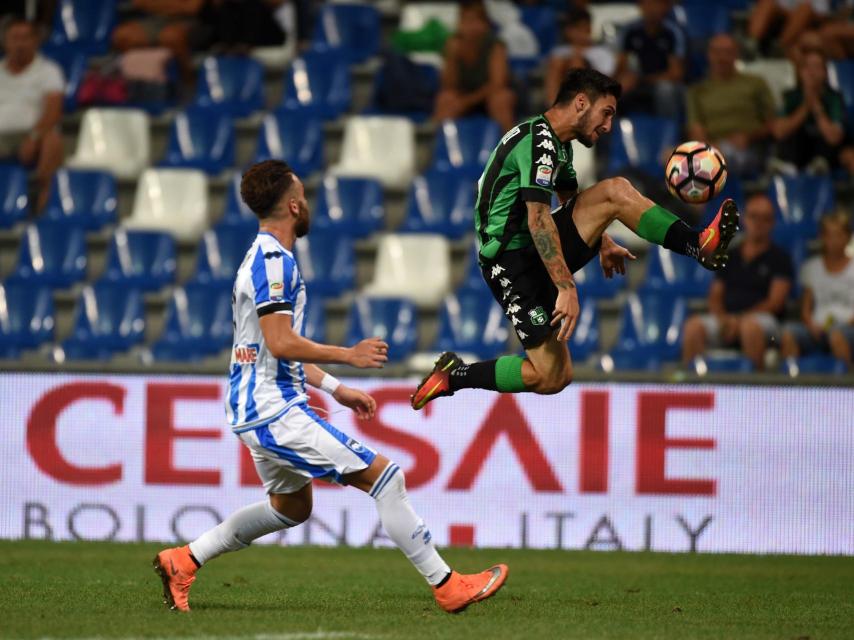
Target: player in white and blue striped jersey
x: 266, y: 406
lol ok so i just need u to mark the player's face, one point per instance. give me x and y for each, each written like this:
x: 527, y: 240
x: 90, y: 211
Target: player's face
x: 302, y: 213
x: 596, y: 121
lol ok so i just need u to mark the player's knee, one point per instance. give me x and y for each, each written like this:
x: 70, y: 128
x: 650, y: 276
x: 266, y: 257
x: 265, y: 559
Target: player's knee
x: 295, y: 510
x: 618, y: 190
x: 391, y: 482
x: 554, y: 382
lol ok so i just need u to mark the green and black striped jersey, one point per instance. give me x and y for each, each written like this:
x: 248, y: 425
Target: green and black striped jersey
x: 528, y: 165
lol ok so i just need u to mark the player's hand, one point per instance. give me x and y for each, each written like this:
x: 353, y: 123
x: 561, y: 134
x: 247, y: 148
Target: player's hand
x: 566, y: 310
x: 360, y: 402
x: 613, y: 257
x: 370, y: 353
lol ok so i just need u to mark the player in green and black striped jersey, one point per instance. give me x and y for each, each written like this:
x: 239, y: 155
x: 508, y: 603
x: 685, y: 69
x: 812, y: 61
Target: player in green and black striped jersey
x: 528, y: 253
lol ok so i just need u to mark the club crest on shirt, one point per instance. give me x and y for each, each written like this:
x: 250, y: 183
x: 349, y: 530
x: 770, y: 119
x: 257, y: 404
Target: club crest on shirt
x: 355, y: 445
x: 544, y: 176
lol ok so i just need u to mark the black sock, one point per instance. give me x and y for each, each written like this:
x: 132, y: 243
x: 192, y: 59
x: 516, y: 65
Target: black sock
x: 682, y: 239
x: 477, y: 375
x: 444, y: 580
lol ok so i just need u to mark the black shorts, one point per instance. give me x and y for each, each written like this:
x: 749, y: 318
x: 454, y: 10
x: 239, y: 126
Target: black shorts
x: 522, y: 286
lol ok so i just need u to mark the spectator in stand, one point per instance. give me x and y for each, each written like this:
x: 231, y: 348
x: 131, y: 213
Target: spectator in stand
x: 827, y: 304
x: 476, y: 73
x: 236, y: 26
x: 811, y: 130
x: 731, y: 110
x: 748, y: 298
x: 31, y: 92
x: 651, y: 65
x: 794, y: 16
x: 578, y: 52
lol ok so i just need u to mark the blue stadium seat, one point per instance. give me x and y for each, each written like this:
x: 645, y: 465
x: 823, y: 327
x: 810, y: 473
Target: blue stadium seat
x: 440, y: 202
x: 314, y: 324
x: 354, y: 29
x: 52, y: 253
x: 640, y: 142
x: 236, y: 211
x: 318, y: 82
x: 702, y: 20
x: 722, y: 363
x: 471, y: 321
x: 799, y: 202
x: 142, y: 259
x: 327, y: 263
x: 464, y: 145
x: 26, y: 317
x: 201, y: 139
x: 84, y: 198
x: 650, y: 329
x: 842, y: 71
x: 813, y: 364
x: 678, y: 274
x: 543, y: 23
x: 73, y: 65
x: 473, y: 278
x: 592, y: 282
x: 428, y: 84
x: 349, y: 205
x: 585, y: 339
x: 231, y: 84
x: 391, y: 319
x: 109, y: 318
x: 221, y: 250
x: 198, y: 323
x: 14, y: 202
x: 292, y: 136
x: 83, y: 25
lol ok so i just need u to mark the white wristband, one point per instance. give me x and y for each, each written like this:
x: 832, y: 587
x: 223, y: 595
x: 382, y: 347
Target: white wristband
x: 329, y: 383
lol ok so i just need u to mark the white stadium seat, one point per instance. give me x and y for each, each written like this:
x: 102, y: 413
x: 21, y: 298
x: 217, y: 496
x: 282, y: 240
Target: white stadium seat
x: 171, y: 200
x: 413, y: 265
x: 608, y: 19
x: 277, y: 57
x: 379, y: 147
x: 416, y: 14
x: 115, y: 140
x: 779, y: 74
x: 584, y: 163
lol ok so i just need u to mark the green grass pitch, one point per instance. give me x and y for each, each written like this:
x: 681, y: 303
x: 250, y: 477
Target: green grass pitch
x: 96, y: 590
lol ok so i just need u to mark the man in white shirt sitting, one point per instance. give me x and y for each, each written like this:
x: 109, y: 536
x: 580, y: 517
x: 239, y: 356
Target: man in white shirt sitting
x: 31, y: 91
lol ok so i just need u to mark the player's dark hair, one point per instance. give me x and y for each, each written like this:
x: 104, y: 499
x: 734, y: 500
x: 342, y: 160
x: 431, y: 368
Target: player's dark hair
x: 264, y: 184
x: 590, y: 82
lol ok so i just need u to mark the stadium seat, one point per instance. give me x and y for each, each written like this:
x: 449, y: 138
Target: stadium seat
x: 650, y: 329
x: 276, y: 57
x: 799, y: 203
x: 84, y: 25
x: 440, y: 202
x: 171, y: 200
x: 812, y: 365
x: 109, y: 318
x: 678, y: 274
x: 26, y: 317
x: 352, y: 206
x: 221, y: 251
x: 414, y: 15
x: 732, y: 189
x: 52, y: 253
x: 318, y: 82
x: 314, y: 323
x: 470, y: 321
x: 114, y: 140
x: 425, y: 79
x: 14, y: 202
x: 585, y: 339
x: 779, y: 73
x: 702, y: 20
x: 393, y: 320
x: 592, y: 282
x: 141, y: 259
x: 296, y: 138
x: 543, y: 23
x: 641, y: 142
x: 473, y: 278
x: 609, y: 18
x: 327, y: 263
x: 584, y: 163
x: 464, y: 145
x: 722, y: 362
x: 198, y: 323
x: 415, y: 266
x: 841, y: 77
x: 87, y: 199
x: 232, y: 84
x: 379, y: 147
x: 354, y: 29
x: 201, y: 139
x: 73, y: 65
x: 236, y: 211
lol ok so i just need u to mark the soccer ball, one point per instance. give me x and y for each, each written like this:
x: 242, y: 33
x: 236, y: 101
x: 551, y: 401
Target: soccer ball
x: 695, y: 172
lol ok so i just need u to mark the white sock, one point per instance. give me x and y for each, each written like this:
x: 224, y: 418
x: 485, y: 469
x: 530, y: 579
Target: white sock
x: 404, y: 527
x: 238, y: 530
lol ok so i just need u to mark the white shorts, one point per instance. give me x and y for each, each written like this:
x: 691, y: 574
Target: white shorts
x: 301, y: 446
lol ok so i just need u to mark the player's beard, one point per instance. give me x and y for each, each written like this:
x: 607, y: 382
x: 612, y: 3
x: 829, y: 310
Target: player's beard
x: 303, y: 221
x: 580, y: 131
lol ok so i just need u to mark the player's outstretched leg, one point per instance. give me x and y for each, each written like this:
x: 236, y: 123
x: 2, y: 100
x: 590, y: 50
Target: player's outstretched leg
x: 177, y: 567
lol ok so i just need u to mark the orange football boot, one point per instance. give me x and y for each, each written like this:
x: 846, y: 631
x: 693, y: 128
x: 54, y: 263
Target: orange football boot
x: 461, y: 590
x: 437, y: 382
x: 177, y: 570
x: 715, y: 239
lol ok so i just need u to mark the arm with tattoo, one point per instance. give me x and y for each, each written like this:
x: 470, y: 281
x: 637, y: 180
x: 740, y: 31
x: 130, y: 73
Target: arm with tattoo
x: 546, y: 239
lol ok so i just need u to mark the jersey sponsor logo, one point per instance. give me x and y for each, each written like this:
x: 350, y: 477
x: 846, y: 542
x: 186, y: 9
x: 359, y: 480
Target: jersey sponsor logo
x: 545, y: 159
x: 277, y: 290
x: 497, y: 269
x: 544, y: 176
x: 546, y: 144
x: 244, y: 354
x: 538, y: 316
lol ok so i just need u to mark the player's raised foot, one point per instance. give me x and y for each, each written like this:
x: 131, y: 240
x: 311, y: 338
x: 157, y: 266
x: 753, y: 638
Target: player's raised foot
x: 437, y: 383
x: 715, y: 239
x: 178, y: 572
x: 461, y: 589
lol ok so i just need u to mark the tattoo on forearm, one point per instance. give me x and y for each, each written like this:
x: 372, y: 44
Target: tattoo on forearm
x: 547, y: 241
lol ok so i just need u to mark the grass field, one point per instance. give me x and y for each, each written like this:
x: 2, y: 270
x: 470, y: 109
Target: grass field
x: 89, y: 590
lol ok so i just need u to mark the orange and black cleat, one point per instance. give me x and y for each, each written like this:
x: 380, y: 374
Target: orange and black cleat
x: 715, y: 239
x: 437, y: 383
x: 177, y: 571
x: 461, y: 590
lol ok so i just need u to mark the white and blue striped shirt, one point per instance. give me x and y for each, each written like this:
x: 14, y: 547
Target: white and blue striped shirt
x: 260, y: 387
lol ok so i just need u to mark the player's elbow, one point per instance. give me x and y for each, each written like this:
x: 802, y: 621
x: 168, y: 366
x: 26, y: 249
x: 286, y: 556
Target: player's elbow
x: 281, y: 348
